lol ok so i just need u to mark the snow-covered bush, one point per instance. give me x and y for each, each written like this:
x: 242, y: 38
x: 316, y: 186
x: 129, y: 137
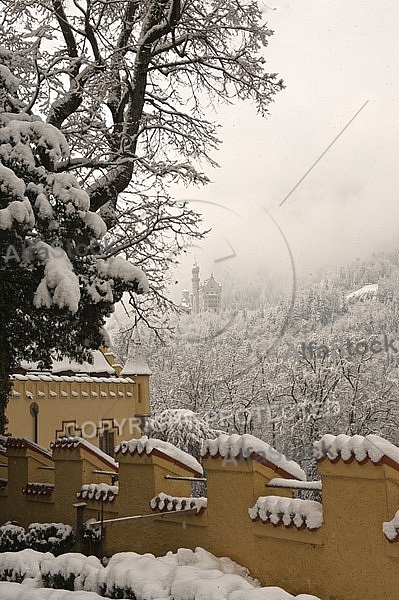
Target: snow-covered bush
x: 56, y: 538
x: 183, y: 575
x: 183, y: 428
x: 71, y: 571
x: 12, y: 538
x: 43, y: 537
x: 18, y: 566
x: 186, y: 430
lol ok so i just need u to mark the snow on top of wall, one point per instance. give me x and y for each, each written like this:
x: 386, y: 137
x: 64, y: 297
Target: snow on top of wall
x: 361, y: 448
x: 276, y: 509
x: 98, y: 491
x: 16, y: 442
x: 38, y: 489
x: 233, y: 446
x: 148, y: 445
x: 78, y: 442
x: 165, y: 502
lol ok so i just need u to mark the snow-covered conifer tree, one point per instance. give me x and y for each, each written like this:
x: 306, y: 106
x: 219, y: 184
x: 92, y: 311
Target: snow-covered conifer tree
x: 55, y: 287
x: 182, y: 428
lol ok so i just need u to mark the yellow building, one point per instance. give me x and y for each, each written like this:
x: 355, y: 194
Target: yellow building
x: 102, y: 403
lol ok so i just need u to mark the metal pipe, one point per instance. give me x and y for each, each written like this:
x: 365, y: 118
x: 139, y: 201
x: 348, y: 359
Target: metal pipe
x: 295, y: 487
x: 138, y: 517
x: 185, y: 478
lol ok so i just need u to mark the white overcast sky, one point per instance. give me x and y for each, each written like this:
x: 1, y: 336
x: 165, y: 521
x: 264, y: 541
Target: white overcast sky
x: 333, y: 57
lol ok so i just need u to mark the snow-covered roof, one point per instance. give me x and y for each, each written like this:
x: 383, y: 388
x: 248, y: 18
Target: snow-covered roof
x: 69, y: 378
x: 98, y: 491
x: 369, y: 290
x: 150, y: 445
x: 78, y: 442
x: 248, y: 446
x: 211, y: 284
x: 361, y: 448
x: 136, y: 366
x: 38, y: 489
x: 288, y: 511
x: 16, y: 442
x: 136, y: 363
x: 100, y: 365
x: 164, y: 502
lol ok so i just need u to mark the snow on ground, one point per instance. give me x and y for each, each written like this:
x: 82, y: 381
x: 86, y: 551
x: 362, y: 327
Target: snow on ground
x: 184, y: 575
x: 16, y: 591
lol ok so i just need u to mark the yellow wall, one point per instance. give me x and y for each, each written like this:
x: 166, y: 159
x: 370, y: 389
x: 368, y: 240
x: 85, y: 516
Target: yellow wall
x: 87, y: 403
x: 347, y: 558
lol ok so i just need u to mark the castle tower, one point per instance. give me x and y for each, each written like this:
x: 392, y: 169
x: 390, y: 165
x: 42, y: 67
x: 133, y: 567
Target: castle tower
x: 195, y: 289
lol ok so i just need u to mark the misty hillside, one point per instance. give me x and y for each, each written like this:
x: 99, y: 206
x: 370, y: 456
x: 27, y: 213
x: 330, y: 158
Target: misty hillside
x: 290, y: 373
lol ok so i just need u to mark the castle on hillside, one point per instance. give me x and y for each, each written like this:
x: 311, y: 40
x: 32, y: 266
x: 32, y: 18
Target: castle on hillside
x: 204, y: 297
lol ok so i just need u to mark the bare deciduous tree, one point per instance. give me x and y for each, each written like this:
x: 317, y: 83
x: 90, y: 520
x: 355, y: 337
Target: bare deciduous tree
x: 128, y: 83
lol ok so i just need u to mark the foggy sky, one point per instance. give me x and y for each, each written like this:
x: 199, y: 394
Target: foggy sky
x: 333, y: 57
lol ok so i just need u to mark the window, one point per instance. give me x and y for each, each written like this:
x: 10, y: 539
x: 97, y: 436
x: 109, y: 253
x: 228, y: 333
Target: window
x: 107, y: 442
x: 69, y: 430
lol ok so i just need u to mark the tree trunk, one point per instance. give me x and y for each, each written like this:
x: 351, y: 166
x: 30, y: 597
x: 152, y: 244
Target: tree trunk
x: 5, y: 383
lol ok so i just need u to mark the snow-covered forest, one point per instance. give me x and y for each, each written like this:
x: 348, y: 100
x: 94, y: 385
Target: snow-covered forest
x: 324, y: 374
